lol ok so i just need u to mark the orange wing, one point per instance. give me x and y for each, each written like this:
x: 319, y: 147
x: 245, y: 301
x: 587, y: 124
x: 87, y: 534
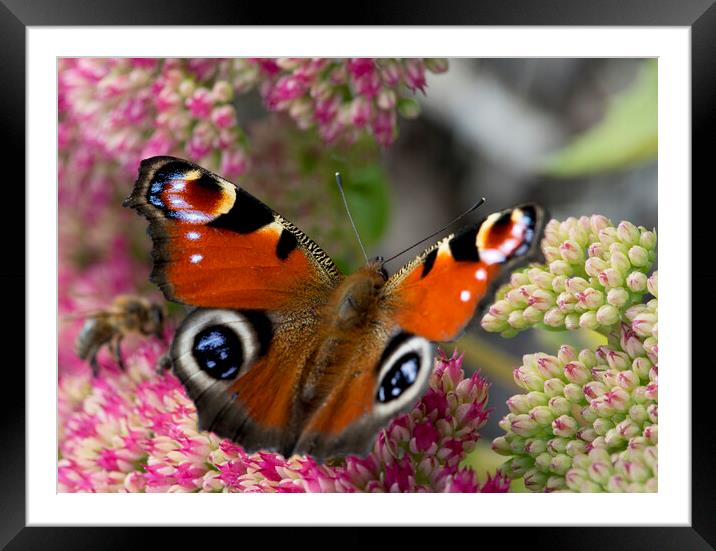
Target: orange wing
x: 437, y: 294
x: 215, y: 245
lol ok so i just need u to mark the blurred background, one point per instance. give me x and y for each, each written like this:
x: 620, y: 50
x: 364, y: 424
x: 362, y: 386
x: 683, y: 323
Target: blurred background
x: 417, y: 142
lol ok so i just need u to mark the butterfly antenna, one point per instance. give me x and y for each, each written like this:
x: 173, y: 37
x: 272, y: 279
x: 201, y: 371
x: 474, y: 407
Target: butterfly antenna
x: 446, y: 226
x: 339, y: 181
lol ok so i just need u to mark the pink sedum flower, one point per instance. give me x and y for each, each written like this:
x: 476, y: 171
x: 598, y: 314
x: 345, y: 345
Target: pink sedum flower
x: 136, y: 432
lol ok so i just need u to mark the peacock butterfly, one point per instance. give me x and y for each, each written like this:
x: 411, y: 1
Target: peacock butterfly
x: 282, y: 350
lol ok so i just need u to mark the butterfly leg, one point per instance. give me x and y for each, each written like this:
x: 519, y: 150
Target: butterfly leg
x: 164, y: 363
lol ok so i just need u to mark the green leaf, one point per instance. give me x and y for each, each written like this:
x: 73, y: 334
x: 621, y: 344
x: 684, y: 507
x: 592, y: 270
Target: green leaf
x: 626, y: 136
x: 369, y: 200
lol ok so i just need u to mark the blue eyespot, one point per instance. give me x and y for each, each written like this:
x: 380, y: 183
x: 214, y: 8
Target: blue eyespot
x: 399, y: 378
x: 218, y: 351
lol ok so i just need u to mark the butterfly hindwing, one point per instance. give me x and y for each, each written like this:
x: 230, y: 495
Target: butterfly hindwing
x: 438, y: 293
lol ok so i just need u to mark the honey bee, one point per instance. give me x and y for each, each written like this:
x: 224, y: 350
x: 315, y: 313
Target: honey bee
x: 127, y: 314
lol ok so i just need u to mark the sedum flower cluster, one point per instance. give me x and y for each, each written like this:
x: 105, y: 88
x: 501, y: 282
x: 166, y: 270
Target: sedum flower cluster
x: 129, y: 109
x: 588, y: 419
x: 593, y: 273
x: 136, y: 432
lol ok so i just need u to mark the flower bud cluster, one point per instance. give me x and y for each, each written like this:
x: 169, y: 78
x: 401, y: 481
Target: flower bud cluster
x: 134, y: 431
x: 588, y: 420
x: 593, y: 273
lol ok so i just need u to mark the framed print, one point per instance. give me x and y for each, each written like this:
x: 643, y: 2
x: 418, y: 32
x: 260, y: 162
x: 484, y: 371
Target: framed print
x: 415, y: 290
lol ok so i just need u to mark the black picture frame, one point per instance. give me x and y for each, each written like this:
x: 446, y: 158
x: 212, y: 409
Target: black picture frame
x: 16, y: 15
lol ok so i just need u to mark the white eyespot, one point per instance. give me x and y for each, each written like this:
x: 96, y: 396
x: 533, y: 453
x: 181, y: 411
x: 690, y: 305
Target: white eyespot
x: 196, y: 258
x: 465, y: 295
x: 403, y: 374
x: 193, y: 235
x: 481, y: 274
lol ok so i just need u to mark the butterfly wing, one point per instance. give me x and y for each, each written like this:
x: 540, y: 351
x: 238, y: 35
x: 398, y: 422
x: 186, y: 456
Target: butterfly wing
x: 215, y: 245
x: 438, y: 293
x: 258, y: 282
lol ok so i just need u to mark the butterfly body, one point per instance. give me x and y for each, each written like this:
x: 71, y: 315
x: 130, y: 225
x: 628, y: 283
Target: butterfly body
x: 283, y: 351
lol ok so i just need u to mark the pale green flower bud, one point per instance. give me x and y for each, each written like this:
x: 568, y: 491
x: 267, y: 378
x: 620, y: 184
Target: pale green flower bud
x: 535, y: 480
x: 493, y: 324
x: 637, y: 413
x: 527, y: 379
x: 591, y: 298
x: 555, y: 483
x: 608, y: 236
x: 598, y: 223
x: 554, y: 317
x: 611, y: 277
x: 532, y: 315
x: 551, y: 254
x: 501, y: 445
x: 535, y: 446
x: 577, y: 373
x: 517, y: 444
x: 628, y: 380
x: 618, y: 297
x: 560, y: 464
x: 518, y: 279
x: 565, y: 426
x: 576, y: 448
x: 607, y: 315
x: 602, y: 426
x: 505, y: 422
x: 596, y: 250
x: 560, y: 267
x: 566, y: 302
x: 617, y: 360
x: 628, y: 429
x: 559, y: 405
x: 566, y: 353
x: 518, y: 297
x: 517, y: 319
x: 542, y: 415
x: 651, y: 433
x: 542, y: 279
x: 594, y: 266
x: 571, y: 321
x: 576, y: 285
x: 501, y: 309
x: 572, y: 252
x: 612, y: 438
x: 588, y: 320
x: 653, y: 412
x: 628, y: 233
x: 600, y: 471
x: 588, y: 358
x: 558, y: 283
x: 637, y: 282
x: 643, y: 324
x: 647, y: 239
x: 553, y: 387
x: 638, y: 256
x: 542, y: 462
x: 620, y: 262
x: 574, y: 393
x: 548, y: 366
x: 652, y: 284
x: 518, y: 404
x: 536, y: 398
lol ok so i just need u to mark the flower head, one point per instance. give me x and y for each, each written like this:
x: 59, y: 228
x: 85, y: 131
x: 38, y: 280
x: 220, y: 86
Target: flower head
x: 136, y: 432
x: 593, y: 273
x: 587, y: 421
